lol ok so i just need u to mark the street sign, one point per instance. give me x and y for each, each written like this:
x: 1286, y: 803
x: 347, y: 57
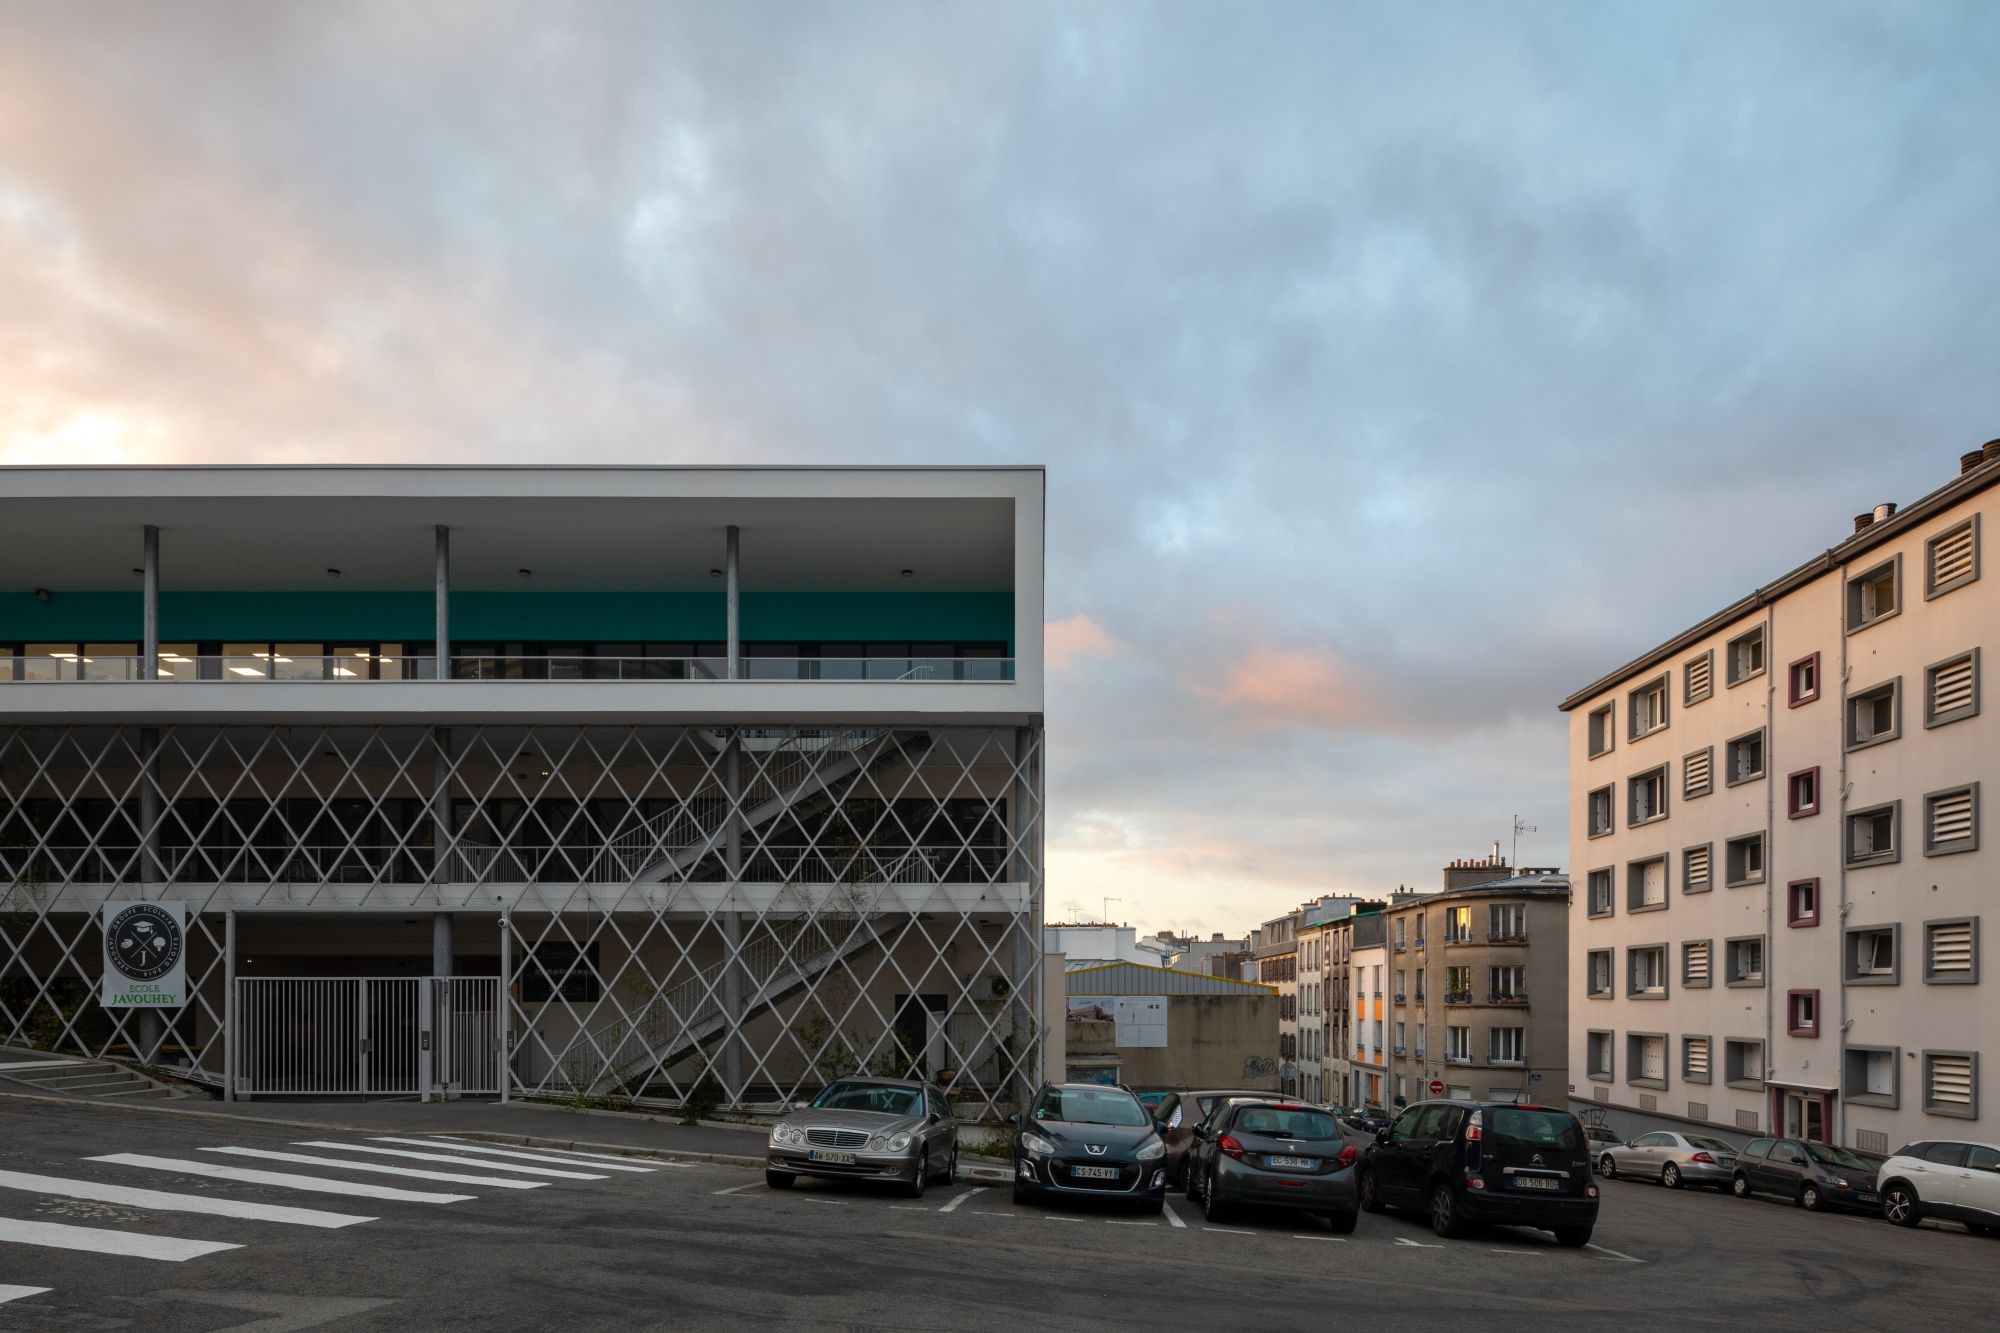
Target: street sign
x: 1534, y: 1078
x: 145, y: 955
x: 1437, y: 1087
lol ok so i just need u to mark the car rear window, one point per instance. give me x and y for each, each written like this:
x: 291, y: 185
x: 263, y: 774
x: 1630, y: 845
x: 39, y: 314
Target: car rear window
x: 1837, y: 1157
x: 1712, y: 1145
x: 1513, y: 1126
x: 1090, y: 1106
x: 1279, y: 1123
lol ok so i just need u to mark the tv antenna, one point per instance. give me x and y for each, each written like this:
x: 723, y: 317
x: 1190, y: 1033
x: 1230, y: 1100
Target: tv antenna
x: 1520, y: 827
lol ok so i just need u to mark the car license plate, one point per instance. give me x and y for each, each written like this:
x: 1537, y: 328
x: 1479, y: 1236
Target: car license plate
x: 1094, y: 1172
x: 1295, y: 1163
x: 1537, y: 1183
x: 1869, y: 1197
x: 830, y: 1158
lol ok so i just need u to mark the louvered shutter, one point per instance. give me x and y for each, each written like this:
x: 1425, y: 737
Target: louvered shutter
x: 1697, y: 1057
x: 1951, y: 949
x: 1697, y: 773
x: 1951, y: 817
x: 1694, y: 863
x: 1952, y: 557
x: 1700, y: 678
x: 1951, y: 687
x: 1697, y: 963
x: 1950, y: 1080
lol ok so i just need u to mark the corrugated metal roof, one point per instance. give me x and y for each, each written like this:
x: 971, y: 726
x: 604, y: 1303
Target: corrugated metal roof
x: 1139, y: 979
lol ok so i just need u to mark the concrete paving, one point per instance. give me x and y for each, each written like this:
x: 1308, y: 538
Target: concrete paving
x: 125, y: 1218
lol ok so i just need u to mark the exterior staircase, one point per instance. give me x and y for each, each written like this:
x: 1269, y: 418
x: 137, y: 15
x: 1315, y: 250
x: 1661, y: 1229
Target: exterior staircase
x: 94, y: 1080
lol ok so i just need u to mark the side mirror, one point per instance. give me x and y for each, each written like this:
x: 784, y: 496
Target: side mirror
x: 1015, y: 1120
x: 1381, y: 1136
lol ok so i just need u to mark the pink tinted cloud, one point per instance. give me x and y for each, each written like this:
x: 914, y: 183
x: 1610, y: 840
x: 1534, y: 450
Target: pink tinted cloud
x: 1274, y: 688
x: 1065, y: 643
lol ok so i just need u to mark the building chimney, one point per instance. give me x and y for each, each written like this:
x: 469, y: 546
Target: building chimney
x: 1496, y: 853
x: 1991, y: 451
x: 1884, y: 511
x: 1967, y: 462
x: 1861, y: 521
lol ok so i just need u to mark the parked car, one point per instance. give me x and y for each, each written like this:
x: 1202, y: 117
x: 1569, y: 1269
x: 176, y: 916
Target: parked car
x: 1080, y: 1138
x: 1177, y: 1118
x: 1600, y: 1134
x: 1812, y: 1175
x: 1469, y: 1161
x: 1672, y: 1158
x: 1369, y: 1120
x: 1277, y: 1155
x: 1152, y: 1100
x: 1948, y: 1179
x: 894, y: 1129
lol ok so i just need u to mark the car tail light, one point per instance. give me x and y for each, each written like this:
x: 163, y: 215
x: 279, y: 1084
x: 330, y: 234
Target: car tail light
x: 1703, y: 1158
x: 1474, y: 1129
x: 1475, y: 1183
x: 1229, y: 1147
x: 1346, y: 1157
x: 1590, y: 1191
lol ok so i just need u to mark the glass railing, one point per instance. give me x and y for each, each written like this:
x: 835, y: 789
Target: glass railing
x: 360, y: 667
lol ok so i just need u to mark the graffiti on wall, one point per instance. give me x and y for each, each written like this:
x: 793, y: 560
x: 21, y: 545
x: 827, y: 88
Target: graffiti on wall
x: 1259, y: 1066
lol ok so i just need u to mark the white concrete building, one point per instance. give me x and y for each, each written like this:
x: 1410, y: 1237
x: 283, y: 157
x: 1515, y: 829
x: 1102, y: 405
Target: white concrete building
x: 1776, y: 825
x: 530, y: 779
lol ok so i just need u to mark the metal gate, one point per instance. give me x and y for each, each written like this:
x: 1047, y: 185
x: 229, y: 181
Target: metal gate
x: 365, y: 1036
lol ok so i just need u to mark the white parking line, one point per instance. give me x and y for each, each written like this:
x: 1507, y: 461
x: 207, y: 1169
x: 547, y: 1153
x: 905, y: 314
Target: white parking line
x: 910, y: 1208
x: 1338, y: 1240
x: 1173, y: 1218
x: 174, y: 1203
x: 1416, y: 1244
x: 1225, y: 1231
x: 832, y: 1203
x: 980, y: 1212
x: 1120, y: 1222
x: 448, y: 1160
x: 382, y: 1169
x: 128, y: 1244
x: 737, y: 1189
x: 652, y: 1164
x: 977, y: 1189
x: 280, y: 1179
x: 519, y: 1156
x: 16, y: 1293
x: 1530, y: 1253
x: 1050, y: 1217
x: 1615, y: 1254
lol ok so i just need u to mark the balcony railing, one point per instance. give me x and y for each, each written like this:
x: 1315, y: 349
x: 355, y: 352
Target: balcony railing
x: 360, y: 668
x: 1508, y: 997
x: 1458, y: 1059
x: 1460, y: 939
x: 1506, y: 937
x: 1458, y: 997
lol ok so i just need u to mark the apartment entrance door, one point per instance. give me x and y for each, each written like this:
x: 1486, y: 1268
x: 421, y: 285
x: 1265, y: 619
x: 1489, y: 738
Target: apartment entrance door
x: 1803, y: 1115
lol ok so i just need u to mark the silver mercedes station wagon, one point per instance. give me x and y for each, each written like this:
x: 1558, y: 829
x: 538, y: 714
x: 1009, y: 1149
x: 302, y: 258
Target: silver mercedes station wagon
x: 892, y: 1129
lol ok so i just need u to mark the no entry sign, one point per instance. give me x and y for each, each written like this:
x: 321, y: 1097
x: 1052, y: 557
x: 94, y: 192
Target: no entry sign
x: 1437, y: 1087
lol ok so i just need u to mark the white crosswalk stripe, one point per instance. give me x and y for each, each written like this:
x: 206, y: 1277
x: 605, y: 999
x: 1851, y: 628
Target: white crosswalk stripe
x: 97, y: 1240
x: 280, y: 1179
x: 382, y: 1168
x: 98, y: 1192
x: 568, y: 1154
x: 449, y: 1160
x: 16, y: 1293
x: 522, y: 1156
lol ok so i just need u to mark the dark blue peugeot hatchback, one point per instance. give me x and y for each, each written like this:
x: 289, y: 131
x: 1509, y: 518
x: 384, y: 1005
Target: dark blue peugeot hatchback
x: 1463, y: 1162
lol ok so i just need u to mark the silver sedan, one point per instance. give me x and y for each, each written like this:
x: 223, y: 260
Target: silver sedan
x: 1672, y: 1158
x: 892, y: 1129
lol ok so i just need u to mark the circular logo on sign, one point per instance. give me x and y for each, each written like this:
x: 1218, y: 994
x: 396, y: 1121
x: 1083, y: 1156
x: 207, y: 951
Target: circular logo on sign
x: 145, y: 942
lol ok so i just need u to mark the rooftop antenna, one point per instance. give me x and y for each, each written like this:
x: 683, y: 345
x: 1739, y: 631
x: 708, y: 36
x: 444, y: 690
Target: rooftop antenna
x: 1106, y: 918
x: 1519, y: 829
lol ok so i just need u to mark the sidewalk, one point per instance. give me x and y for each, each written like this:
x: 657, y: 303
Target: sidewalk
x: 532, y: 1124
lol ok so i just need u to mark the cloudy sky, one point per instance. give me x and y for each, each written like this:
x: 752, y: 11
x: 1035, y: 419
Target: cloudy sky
x: 1359, y: 345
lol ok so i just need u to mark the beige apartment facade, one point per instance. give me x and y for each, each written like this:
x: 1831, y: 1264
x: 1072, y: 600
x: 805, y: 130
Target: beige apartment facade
x: 1776, y: 832
x: 1478, y: 1000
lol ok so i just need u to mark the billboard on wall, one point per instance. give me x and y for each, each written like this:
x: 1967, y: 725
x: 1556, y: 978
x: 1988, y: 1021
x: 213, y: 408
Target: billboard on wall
x: 145, y: 956
x: 1137, y: 1020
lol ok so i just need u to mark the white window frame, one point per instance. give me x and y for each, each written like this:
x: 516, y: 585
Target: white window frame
x: 1855, y: 971
x: 1731, y: 776
x: 1601, y: 731
x: 1653, y: 785
x: 1867, y: 698
x: 1646, y: 708
x: 1864, y: 595
x: 1733, y: 974
x: 1737, y: 648
x: 1873, y: 817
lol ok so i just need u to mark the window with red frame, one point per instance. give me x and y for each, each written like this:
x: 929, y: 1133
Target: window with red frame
x: 1802, y: 902
x: 1802, y: 793
x: 1802, y: 1013
x: 1802, y: 681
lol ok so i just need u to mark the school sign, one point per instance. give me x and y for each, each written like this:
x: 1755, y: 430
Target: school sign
x: 145, y: 956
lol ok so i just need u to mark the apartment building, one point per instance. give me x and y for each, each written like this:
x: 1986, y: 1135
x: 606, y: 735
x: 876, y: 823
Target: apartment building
x: 1478, y: 987
x: 517, y: 780
x: 1277, y: 953
x: 1368, y: 1012
x: 1777, y: 816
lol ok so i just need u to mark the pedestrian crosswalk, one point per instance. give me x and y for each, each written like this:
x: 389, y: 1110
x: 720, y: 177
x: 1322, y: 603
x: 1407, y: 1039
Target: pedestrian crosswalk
x: 413, y: 1162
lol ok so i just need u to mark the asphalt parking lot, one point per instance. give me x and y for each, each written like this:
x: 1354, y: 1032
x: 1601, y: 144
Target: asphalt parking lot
x: 709, y: 1246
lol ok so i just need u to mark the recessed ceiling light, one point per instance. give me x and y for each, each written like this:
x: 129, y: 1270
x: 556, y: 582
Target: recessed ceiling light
x: 525, y: 573
x: 715, y: 573
x: 909, y: 573
x: 140, y: 572
x: 332, y: 573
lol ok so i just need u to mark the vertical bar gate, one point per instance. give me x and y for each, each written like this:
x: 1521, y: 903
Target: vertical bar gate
x: 365, y: 1036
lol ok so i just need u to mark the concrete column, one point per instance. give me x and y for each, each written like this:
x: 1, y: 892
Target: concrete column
x: 443, y: 579
x: 443, y: 834
x: 149, y: 668
x: 732, y: 569
x: 441, y: 944
x: 732, y: 859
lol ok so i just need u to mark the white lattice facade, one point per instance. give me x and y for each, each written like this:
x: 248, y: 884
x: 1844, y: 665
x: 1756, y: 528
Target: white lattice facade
x: 710, y: 834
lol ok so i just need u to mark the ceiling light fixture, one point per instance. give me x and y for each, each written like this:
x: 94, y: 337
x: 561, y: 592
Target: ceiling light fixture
x: 332, y: 573
x: 139, y: 572
x: 909, y: 573
x: 715, y: 573
x: 525, y: 573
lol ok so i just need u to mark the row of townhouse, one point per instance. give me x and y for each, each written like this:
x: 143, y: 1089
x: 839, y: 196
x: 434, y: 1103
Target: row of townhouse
x: 1777, y: 816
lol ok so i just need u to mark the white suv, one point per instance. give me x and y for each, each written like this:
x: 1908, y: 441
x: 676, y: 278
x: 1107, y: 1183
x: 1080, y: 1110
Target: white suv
x: 1947, y: 1179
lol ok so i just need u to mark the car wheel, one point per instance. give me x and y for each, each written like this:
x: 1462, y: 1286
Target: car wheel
x: 1212, y: 1208
x: 1607, y: 1168
x: 1670, y: 1176
x: 921, y: 1176
x: 1191, y: 1182
x: 1574, y: 1238
x: 1445, y: 1219
x: 1343, y: 1223
x: 1899, y: 1205
x: 1370, y: 1201
x: 778, y: 1180
x: 1740, y: 1186
x: 1810, y: 1198
x: 950, y: 1173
